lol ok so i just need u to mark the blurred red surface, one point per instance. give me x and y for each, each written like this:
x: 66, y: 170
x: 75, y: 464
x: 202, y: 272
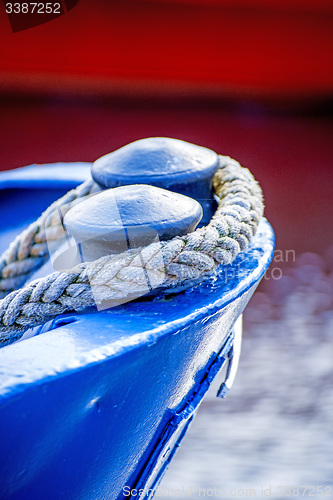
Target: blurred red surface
x: 126, y: 53
x: 247, y: 48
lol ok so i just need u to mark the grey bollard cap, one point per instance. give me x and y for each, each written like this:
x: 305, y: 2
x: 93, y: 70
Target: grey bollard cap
x: 115, y: 220
x: 172, y: 164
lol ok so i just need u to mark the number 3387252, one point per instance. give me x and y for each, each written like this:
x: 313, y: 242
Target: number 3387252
x: 33, y: 8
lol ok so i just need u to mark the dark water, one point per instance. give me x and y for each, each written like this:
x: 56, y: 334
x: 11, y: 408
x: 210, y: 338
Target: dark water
x: 275, y: 429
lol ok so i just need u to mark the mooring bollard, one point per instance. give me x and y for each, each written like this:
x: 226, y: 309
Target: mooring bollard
x: 168, y: 163
x: 97, y: 404
x: 130, y: 217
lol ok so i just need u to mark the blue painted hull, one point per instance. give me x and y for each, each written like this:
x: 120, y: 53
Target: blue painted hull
x: 97, y: 404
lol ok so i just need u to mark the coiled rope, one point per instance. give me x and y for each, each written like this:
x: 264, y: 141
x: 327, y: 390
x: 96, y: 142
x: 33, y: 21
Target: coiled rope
x: 172, y: 264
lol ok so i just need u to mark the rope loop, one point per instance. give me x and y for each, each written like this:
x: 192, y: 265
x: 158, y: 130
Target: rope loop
x: 168, y: 266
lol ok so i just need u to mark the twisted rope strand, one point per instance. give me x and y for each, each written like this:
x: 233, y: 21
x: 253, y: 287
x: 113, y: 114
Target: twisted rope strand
x: 29, y: 251
x: 169, y: 265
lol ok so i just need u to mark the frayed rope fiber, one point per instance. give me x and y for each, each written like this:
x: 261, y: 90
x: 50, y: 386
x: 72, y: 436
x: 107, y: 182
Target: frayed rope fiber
x: 173, y: 264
